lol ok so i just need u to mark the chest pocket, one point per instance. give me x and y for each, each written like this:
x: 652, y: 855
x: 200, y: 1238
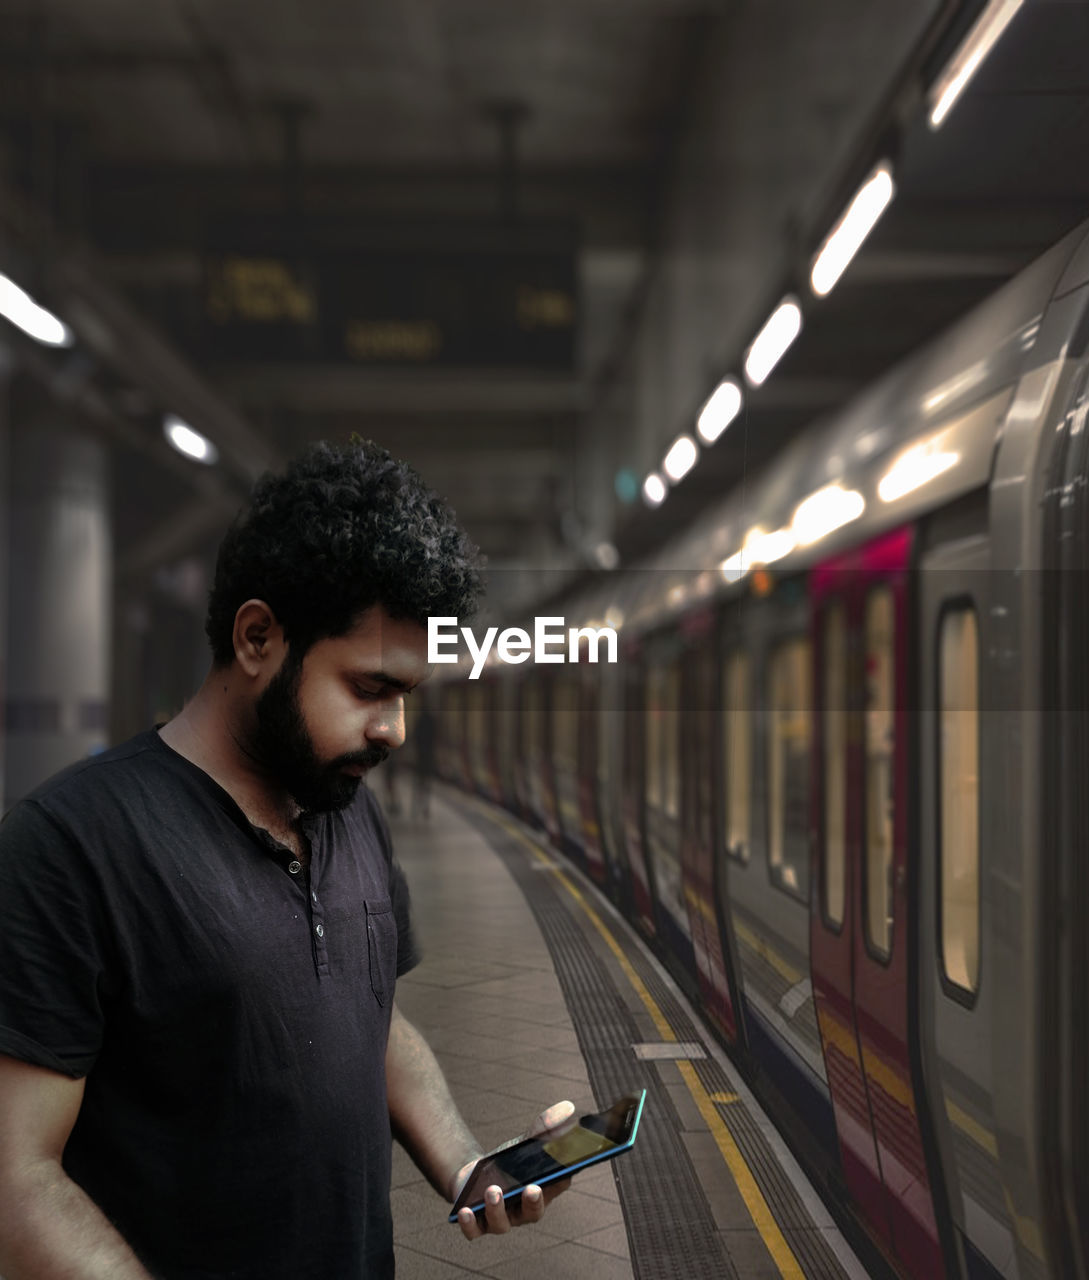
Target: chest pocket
x: 381, y: 947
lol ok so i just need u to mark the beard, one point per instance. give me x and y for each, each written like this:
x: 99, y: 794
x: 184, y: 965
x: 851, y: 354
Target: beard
x: 284, y: 747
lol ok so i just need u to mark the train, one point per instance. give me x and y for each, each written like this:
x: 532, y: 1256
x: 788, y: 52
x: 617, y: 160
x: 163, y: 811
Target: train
x: 838, y: 776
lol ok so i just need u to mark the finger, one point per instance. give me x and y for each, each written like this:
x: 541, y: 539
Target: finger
x: 495, y: 1212
x: 470, y: 1228
x: 533, y: 1204
x: 555, y: 1115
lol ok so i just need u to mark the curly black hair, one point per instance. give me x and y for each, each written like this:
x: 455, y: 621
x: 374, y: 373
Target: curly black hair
x: 344, y: 528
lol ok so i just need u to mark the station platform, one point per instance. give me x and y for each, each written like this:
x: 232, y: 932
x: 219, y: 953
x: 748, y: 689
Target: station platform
x: 533, y: 989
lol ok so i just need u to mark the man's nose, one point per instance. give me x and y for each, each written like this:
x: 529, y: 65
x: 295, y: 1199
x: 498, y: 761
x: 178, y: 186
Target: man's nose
x: 388, y: 723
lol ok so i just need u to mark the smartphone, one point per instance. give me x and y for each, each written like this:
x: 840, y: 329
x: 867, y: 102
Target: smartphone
x: 578, y: 1144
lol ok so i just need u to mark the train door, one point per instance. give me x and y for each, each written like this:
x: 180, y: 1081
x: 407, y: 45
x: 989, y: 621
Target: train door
x: 699, y: 702
x: 591, y: 832
x: 565, y: 761
x: 954, y: 934
x: 764, y: 877
x: 862, y: 919
x: 607, y: 773
x: 546, y: 767
x: 662, y: 797
x: 532, y: 752
x: 634, y: 784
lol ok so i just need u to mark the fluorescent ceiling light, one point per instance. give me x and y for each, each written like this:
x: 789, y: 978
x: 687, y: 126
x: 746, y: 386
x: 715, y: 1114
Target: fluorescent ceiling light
x: 913, y: 469
x: 766, y: 548
x: 182, y: 436
x: 827, y: 509
x: 770, y: 344
x: 963, y: 65
x: 856, y: 223
x: 681, y: 458
x: 717, y: 414
x: 20, y: 308
x: 654, y: 490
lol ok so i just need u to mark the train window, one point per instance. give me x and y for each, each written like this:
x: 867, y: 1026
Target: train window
x: 880, y: 745
x: 737, y: 755
x: 789, y: 710
x: 663, y: 745
x: 958, y: 771
x: 834, y: 743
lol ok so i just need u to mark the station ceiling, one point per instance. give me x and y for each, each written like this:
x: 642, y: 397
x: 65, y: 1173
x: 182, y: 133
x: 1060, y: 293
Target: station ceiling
x: 159, y: 155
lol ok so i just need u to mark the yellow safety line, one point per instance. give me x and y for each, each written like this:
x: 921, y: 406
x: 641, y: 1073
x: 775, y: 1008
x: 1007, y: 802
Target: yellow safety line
x: 759, y: 1210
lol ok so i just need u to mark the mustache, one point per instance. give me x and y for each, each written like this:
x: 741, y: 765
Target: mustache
x: 370, y: 758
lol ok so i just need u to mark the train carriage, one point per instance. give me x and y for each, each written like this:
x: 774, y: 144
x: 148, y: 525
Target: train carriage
x: 837, y: 780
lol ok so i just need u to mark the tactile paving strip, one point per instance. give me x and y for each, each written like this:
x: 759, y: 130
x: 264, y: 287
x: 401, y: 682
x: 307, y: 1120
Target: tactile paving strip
x: 669, y: 1224
x: 670, y: 1228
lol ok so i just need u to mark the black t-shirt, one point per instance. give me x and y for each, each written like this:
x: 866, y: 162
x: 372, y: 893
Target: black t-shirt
x: 229, y: 1009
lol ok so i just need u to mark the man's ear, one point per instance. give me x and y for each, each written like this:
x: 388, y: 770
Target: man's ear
x: 259, y: 645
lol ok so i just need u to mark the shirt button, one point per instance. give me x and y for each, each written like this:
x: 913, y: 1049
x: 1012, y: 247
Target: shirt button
x: 313, y: 894
x: 294, y: 867
x: 319, y: 929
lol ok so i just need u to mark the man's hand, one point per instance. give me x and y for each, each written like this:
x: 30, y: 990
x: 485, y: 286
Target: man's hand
x: 500, y: 1215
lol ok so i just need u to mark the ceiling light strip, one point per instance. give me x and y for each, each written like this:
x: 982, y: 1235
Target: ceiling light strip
x: 35, y: 321
x: 772, y: 342
x: 858, y: 220
x: 969, y: 57
x: 654, y: 490
x: 719, y: 411
x: 681, y: 458
x: 183, y: 438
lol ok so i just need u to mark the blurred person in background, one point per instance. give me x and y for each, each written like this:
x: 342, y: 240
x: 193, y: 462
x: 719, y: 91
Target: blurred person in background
x: 201, y: 1058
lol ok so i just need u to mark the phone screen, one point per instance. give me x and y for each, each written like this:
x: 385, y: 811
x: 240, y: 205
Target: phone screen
x: 598, y: 1136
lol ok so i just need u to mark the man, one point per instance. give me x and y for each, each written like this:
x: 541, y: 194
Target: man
x: 200, y: 930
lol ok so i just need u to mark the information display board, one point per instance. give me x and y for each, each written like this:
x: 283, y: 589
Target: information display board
x: 462, y: 306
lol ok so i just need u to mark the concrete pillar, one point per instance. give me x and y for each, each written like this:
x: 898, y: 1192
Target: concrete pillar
x: 59, y: 600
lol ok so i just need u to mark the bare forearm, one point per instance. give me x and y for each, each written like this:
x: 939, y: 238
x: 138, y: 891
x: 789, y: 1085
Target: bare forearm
x: 50, y: 1229
x: 424, y: 1116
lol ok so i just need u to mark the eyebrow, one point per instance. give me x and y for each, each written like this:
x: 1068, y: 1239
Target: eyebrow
x: 384, y: 678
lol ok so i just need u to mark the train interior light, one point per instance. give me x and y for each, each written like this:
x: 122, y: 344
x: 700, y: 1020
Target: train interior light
x: 822, y: 512
x: 766, y: 548
x: 918, y: 466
